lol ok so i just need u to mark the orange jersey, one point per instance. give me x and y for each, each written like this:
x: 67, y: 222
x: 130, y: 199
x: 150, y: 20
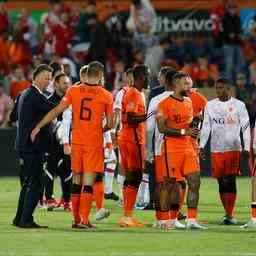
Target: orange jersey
x: 133, y: 102
x: 178, y: 114
x: 90, y: 104
x: 198, y: 101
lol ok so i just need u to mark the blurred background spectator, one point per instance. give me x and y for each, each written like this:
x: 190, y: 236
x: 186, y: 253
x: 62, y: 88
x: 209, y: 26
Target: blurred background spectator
x: 233, y: 56
x: 73, y: 34
x: 6, y: 105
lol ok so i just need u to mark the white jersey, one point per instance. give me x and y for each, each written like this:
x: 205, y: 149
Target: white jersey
x: 63, y: 132
x: 152, y: 129
x: 224, y: 122
x: 119, y: 99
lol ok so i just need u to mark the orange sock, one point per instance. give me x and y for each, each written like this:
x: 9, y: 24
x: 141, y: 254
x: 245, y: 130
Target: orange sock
x: 158, y: 215
x: 174, y: 211
x: 98, y: 193
x: 165, y: 215
x: 75, y: 199
x: 192, y: 213
x: 174, y: 214
x: 162, y: 215
x: 228, y: 201
x: 130, y: 199
x: 85, y: 206
x: 253, y: 210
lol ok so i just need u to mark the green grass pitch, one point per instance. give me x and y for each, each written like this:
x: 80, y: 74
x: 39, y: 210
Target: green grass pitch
x: 109, y: 239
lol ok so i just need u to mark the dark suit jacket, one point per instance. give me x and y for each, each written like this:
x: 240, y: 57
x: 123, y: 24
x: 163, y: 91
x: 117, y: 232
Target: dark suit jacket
x: 32, y: 107
x: 155, y: 91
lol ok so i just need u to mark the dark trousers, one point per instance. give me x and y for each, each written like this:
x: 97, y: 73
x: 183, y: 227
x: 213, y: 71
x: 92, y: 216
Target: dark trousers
x: 58, y: 164
x: 151, y: 180
x: 31, y: 186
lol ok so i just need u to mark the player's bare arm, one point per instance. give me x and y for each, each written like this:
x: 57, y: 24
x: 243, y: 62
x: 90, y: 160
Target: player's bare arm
x: 47, y: 119
x: 135, y: 119
x: 109, y: 123
x: 168, y: 131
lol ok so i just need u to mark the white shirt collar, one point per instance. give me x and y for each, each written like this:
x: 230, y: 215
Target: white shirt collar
x: 37, y: 88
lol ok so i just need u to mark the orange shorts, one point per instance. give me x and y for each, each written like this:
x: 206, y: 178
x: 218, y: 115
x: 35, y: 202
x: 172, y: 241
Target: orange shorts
x: 225, y: 163
x: 132, y: 156
x: 180, y: 164
x: 87, y: 159
x: 195, y: 146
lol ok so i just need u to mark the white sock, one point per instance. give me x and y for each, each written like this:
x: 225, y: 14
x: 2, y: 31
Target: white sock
x: 109, y: 176
x: 120, y: 182
x: 143, y: 193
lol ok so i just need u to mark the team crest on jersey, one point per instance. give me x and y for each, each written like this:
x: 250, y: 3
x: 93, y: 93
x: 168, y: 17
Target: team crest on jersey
x: 230, y: 109
x: 231, y: 120
x: 131, y: 105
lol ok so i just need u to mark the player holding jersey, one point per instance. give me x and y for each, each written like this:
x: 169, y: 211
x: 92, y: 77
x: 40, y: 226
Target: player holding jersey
x: 174, y: 118
x: 224, y: 119
x: 154, y: 145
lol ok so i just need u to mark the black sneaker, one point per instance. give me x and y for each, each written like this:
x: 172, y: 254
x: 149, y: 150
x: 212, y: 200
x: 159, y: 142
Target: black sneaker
x: 227, y: 220
x: 31, y: 225
x: 15, y: 223
x: 111, y: 196
x: 181, y: 216
x: 149, y: 206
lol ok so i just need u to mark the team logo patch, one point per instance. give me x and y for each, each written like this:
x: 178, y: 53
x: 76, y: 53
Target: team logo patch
x: 131, y: 105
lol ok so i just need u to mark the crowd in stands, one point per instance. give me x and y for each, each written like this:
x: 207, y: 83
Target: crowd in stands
x: 74, y: 36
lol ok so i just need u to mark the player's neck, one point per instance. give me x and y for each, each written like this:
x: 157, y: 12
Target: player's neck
x: 59, y: 93
x: 225, y: 98
x: 92, y: 81
x: 137, y: 87
x: 177, y: 96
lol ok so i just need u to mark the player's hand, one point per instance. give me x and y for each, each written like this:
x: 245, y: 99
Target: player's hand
x: 67, y: 149
x: 114, y: 139
x: 193, y: 132
x: 202, y: 154
x: 33, y: 134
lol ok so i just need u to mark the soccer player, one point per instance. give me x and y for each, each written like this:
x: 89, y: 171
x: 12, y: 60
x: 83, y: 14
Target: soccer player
x: 252, y: 222
x: 117, y: 126
x: 224, y: 118
x: 57, y: 161
x: 132, y: 142
x: 154, y: 153
x: 65, y: 130
x: 90, y: 104
x: 174, y: 118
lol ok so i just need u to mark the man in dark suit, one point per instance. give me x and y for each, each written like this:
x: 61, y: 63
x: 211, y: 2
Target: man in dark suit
x: 32, y: 106
x: 161, y: 79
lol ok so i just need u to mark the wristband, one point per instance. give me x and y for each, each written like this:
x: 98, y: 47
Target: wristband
x: 182, y: 131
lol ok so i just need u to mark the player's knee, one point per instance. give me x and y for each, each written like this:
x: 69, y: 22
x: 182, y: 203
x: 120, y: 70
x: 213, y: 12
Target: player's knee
x: 99, y: 177
x: 194, y: 182
x: 76, y: 189
x: 88, y: 189
x: 182, y: 184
